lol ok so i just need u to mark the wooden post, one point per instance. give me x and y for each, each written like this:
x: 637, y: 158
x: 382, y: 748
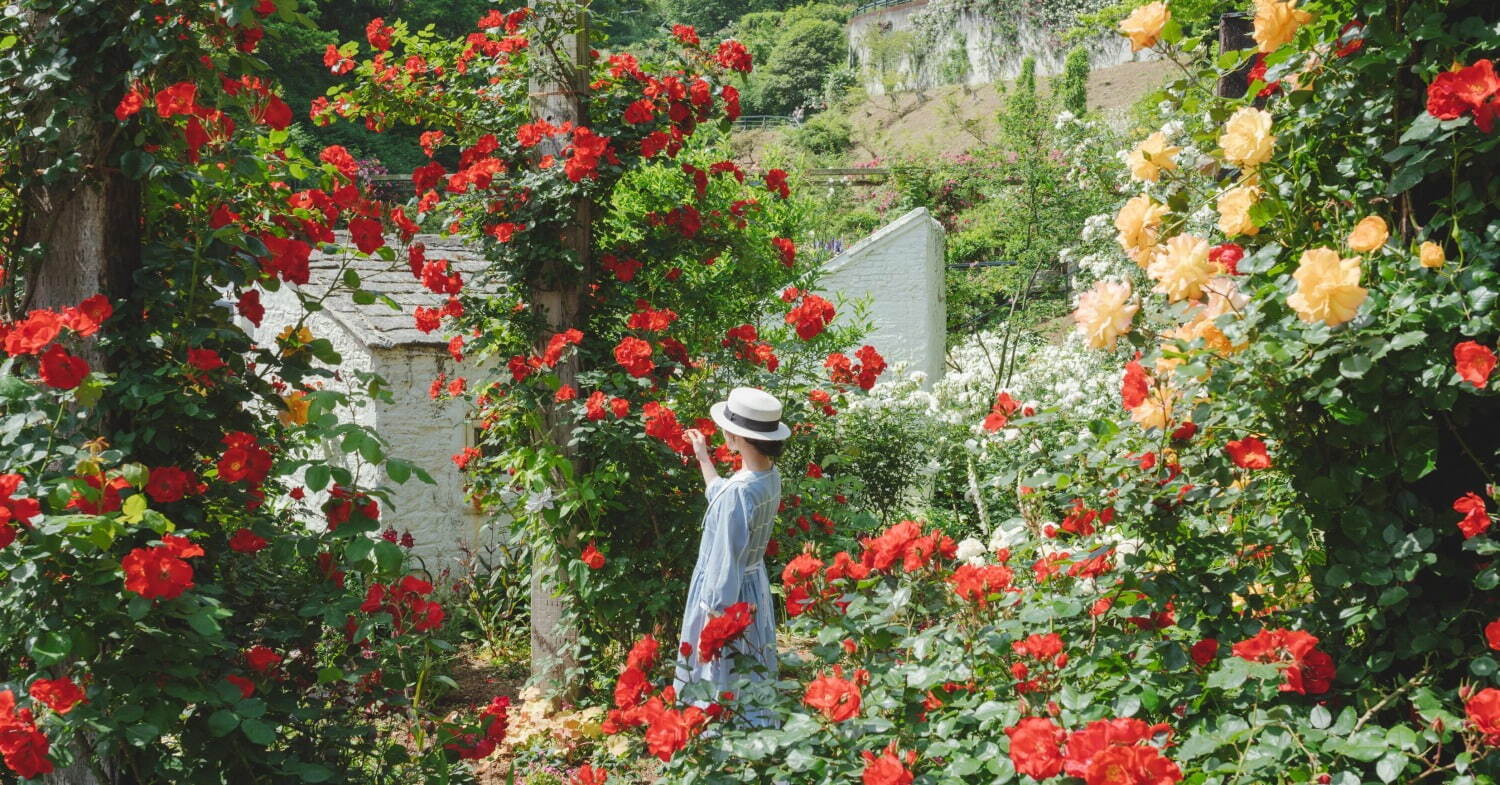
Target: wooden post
x: 1235, y: 30
x: 558, y: 91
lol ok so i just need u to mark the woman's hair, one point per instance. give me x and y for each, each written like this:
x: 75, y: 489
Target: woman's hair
x: 768, y: 449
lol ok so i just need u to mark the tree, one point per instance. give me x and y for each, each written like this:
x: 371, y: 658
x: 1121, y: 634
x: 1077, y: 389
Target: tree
x: 800, y: 61
x: 1073, y: 86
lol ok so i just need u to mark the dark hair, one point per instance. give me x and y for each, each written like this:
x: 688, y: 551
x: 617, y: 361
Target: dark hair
x: 768, y: 449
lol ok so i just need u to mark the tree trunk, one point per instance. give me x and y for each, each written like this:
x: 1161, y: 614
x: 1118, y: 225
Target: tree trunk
x: 557, y: 97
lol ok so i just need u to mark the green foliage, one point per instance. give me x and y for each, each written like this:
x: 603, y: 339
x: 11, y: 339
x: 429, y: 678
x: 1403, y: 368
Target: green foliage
x: 1073, y: 87
x: 828, y: 133
x: 794, y: 75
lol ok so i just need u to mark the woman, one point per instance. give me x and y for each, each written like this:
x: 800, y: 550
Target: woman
x: 736, y: 528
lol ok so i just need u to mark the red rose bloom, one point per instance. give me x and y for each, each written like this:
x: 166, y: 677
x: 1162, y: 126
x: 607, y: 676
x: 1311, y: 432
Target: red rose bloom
x: 1121, y: 765
x: 204, y: 359
x: 1248, y: 453
x: 1035, y: 747
x: 29, y: 335
x: 61, y: 370
x: 634, y: 355
x: 23, y: 746
x: 261, y: 658
x: 787, y: 249
x: 1474, y: 362
x: 160, y: 572
x: 60, y: 695
x: 685, y: 34
x: 89, y: 315
x: 1204, y: 651
x: 168, y: 484
x: 888, y: 768
x: 834, y: 696
x: 722, y: 629
x: 734, y: 56
x: 592, y: 557
x: 247, y: 687
x: 1492, y: 634
x: 1483, y: 710
x: 246, y: 541
x: 249, y: 306
x: 1476, y: 518
x: 1471, y: 89
x: 811, y: 316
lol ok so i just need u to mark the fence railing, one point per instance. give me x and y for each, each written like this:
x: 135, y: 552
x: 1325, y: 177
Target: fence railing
x: 753, y: 121
x: 876, y: 5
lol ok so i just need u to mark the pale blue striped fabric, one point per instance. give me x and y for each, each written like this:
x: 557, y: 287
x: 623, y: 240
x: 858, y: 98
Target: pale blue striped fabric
x: 731, y: 569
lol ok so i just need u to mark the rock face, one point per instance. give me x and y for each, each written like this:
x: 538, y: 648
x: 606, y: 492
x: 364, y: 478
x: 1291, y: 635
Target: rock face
x: 377, y: 339
x: 900, y: 46
x: 898, y: 272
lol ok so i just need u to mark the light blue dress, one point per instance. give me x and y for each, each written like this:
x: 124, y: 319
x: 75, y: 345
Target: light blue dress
x: 731, y: 569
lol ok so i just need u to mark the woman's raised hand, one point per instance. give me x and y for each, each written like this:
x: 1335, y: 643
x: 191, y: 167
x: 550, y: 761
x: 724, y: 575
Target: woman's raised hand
x: 698, y: 441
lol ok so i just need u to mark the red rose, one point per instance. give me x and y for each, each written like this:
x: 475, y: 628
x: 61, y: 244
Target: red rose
x: 61, y: 370
x: 588, y: 774
x: 787, y: 249
x: 60, y: 695
x: 1132, y: 765
x: 1035, y: 747
x: 247, y: 687
x: 634, y: 355
x: 89, y: 315
x: 685, y: 34
x: 204, y: 359
x: 29, y: 335
x: 643, y: 654
x: 249, y: 306
x: 811, y: 316
x: 1134, y: 387
x: 1475, y: 362
x: 594, y: 407
x: 176, y: 100
x: 775, y: 181
x: 131, y: 103
x: 888, y: 768
x: 722, y: 629
x: 158, y: 572
x: 379, y: 33
x: 1483, y: 710
x: 832, y: 695
x: 1204, y: 651
x: 1248, y: 453
x: 1471, y: 89
x: 168, y: 484
x: 1492, y: 634
x: 261, y: 659
x: 734, y: 56
x: 1476, y: 518
x: 640, y: 112
x: 592, y: 557
x: 24, y: 747
x: 246, y: 541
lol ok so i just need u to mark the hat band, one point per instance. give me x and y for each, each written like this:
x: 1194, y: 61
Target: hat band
x: 760, y: 426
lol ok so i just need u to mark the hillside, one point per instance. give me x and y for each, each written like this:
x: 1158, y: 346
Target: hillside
x: 953, y: 119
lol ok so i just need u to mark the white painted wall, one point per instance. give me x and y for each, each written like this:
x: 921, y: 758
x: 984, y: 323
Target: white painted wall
x: 899, y: 271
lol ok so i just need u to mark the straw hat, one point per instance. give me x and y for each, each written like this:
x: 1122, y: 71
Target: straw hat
x: 751, y: 413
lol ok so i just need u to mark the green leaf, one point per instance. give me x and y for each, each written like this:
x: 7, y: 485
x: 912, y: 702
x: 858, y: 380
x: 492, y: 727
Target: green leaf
x: 138, y: 607
x: 1230, y: 675
x: 204, y: 624
x: 312, y: 772
x: 222, y: 722
x: 134, y: 508
x: 398, y: 471
x: 388, y: 557
x: 1388, y: 768
x: 258, y: 732
x: 317, y: 477
x: 51, y: 647
x: 1320, y: 717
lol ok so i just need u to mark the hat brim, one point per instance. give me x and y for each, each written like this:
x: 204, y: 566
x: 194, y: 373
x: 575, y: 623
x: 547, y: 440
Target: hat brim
x: 719, y: 413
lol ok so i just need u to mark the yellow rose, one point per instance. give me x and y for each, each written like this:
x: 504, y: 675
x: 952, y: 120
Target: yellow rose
x: 1369, y: 234
x: 1156, y: 410
x: 1328, y: 287
x: 1137, y: 223
x: 1432, y: 255
x: 1144, y: 25
x: 296, y: 408
x: 1152, y: 157
x: 1234, y: 210
x: 1247, y: 139
x: 1182, y: 270
x: 1105, y: 313
x: 1276, y: 23
x: 291, y: 342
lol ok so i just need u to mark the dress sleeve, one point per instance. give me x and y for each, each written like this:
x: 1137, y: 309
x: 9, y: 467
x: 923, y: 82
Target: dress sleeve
x: 728, y: 530
x: 713, y: 487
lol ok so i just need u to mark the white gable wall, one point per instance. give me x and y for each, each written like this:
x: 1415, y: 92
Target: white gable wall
x: 898, y: 271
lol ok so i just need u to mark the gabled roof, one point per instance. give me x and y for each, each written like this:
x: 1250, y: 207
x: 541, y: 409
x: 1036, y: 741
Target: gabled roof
x: 377, y: 325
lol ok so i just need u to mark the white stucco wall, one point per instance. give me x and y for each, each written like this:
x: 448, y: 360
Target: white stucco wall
x: 428, y: 433
x: 993, y: 52
x: 899, y: 272
x: 416, y: 428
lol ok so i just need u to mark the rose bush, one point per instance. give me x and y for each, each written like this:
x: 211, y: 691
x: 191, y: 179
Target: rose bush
x: 1216, y: 568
